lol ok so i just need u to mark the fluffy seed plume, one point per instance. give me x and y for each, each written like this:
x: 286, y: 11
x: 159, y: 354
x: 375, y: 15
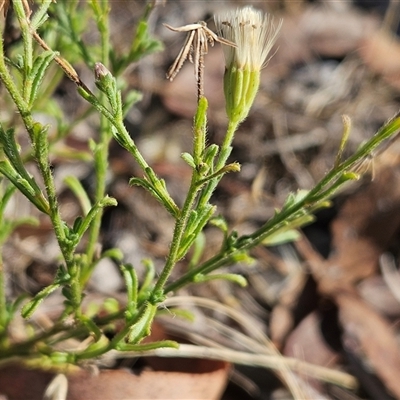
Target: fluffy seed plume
x: 255, y: 34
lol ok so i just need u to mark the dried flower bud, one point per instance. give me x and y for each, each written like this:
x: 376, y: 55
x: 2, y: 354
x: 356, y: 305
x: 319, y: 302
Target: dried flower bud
x: 100, y: 71
x: 255, y: 34
x: 106, y: 83
x: 103, y: 78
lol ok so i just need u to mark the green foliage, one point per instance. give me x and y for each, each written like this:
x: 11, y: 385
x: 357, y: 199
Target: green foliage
x: 52, y: 40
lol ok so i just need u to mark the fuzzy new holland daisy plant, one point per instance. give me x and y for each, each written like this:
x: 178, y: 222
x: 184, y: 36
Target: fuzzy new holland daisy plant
x: 29, y: 81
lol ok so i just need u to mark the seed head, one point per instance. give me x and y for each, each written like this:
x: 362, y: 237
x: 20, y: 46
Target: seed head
x: 254, y: 34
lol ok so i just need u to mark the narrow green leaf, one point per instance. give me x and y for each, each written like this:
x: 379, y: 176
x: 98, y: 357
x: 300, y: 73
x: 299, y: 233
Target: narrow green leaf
x: 220, y: 222
x: 142, y: 326
x: 210, y: 154
x: 95, y: 349
x: 94, y: 330
x: 235, y: 278
x: 188, y: 159
x: 143, y: 44
x: 148, y: 279
x: 290, y: 235
x: 147, y: 346
x: 86, y: 220
x: 7, y: 191
x: 113, y: 253
x: 345, y: 137
x: 37, y: 73
x: 131, y: 282
x: 199, y: 245
x: 130, y: 99
x: 29, y: 308
x: 40, y: 16
x: 24, y: 186
x: 77, y: 224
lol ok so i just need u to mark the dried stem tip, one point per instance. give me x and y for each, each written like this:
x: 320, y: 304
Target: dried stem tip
x: 194, y: 49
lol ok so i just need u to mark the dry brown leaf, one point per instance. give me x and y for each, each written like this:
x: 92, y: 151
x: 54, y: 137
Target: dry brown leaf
x: 377, y: 340
x: 281, y: 322
x: 362, y: 230
x: 381, y: 53
x: 206, y: 383
x: 375, y: 292
x: 160, y: 378
x: 306, y: 343
x: 120, y: 384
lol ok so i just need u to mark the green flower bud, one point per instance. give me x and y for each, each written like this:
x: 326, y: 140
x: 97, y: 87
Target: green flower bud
x: 103, y: 78
x: 254, y: 34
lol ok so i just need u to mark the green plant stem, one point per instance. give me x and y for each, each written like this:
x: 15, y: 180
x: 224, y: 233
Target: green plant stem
x: 244, y: 243
x: 8, y: 82
x: 64, y: 12
x: 41, y: 153
x: 199, y: 131
x: 180, y: 226
x: 56, y: 334
x: 329, y: 184
x: 123, y: 333
x: 224, y: 153
x: 25, y: 347
x: 132, y: 148
x: 44, y: 166
x: 40, y: 145
x: 179, y: 230
x: 6, y: 194
x: 28, y: 46
x: 123, y: 138
x: 101, y: 156
x: 205, y: 196
x: 226, y: 147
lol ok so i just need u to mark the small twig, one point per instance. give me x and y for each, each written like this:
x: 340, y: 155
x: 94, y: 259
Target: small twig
x: 65, y: 66
x: 239, y: 357
x: 249, y: 326
x: 194, y: 49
